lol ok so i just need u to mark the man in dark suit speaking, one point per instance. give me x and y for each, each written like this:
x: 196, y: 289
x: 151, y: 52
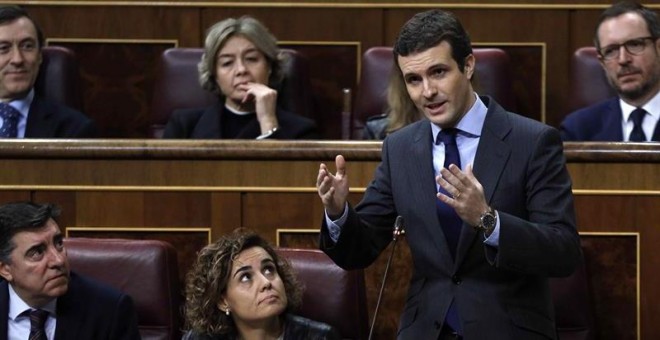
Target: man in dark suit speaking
x: 24, y: 114
x: 39, y: 297
x: 628, y: 43
x: 484, y: 193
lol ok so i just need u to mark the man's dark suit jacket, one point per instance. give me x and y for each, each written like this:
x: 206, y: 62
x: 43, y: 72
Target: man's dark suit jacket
x: 499, y: 293
x: 48, y: 119
x: 88, y: 310
x: 597, y: 123
x: 205, y: 124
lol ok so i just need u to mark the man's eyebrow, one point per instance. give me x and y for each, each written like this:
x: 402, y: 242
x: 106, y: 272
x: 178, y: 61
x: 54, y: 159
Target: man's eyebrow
x: 34, y: 247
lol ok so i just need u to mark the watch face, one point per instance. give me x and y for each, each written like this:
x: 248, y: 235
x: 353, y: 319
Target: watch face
x: 488, y: 221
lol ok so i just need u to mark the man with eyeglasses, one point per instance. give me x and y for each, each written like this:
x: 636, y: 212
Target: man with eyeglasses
x: 628, y: 44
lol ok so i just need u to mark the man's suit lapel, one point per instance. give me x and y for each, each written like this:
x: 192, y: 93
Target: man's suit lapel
x: 656, y: 133
x: 70, y: 312
x: 38, y: 122
x: 421, y: 168
x: 489, y: 163
x: 612, y: 130
x: 4, y: 308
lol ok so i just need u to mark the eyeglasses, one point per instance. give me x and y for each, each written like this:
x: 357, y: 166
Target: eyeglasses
x: 632, y: 46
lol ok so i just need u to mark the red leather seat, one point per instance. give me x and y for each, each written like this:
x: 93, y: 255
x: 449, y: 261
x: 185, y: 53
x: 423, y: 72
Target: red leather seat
x: 59, y: 77
x: 492, y: 77
x: 573, y: 312
x: 177, y: 86
x: 331, y: 295
x: 589, y: 84
x: 147, y: 270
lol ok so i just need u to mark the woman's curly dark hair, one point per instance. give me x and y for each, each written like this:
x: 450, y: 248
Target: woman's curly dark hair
x: 206, y: 282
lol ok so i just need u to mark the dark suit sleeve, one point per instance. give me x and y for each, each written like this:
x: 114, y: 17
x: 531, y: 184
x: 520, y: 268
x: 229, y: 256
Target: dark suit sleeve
x: 364, y: 236
x: 567, y: 130
x: 546, y: 242
x: 125, y: 324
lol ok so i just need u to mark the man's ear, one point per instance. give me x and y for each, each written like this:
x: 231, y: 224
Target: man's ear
x: 470, y: 62
x: 5, y: 272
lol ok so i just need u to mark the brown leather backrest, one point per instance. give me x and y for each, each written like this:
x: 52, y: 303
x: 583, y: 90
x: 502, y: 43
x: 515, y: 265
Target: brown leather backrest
x: 147, y: 270
x: 573, y: 312
x: 492, y: 77
x: 332, y: 295
x: 588, y: 81
x: 59, y: 78
x: 177, y: 86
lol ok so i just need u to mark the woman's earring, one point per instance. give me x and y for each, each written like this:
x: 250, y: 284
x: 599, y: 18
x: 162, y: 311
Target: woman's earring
x: 227, y: 311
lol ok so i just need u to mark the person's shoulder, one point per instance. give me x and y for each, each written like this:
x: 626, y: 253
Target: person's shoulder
x: 592, y: 113
x: 299, y: 327
x: 60, y: 110
x: 189, y: 114
x: 87, y: 286
x: 375, y: 126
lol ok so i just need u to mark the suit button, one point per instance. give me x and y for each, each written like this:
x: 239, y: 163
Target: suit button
x: 456, y: 279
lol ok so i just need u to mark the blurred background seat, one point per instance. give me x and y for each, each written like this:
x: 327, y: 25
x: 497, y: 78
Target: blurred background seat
x: 59, y: 77
x: 588, y: 81
x: 147, y: 270
x: 573, y: 311
x: 492, y: 77
x: 332, y: 295
x: 177, y: 86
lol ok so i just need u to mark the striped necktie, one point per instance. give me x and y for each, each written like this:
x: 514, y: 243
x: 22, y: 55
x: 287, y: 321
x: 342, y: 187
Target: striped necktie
x: 38, y: 319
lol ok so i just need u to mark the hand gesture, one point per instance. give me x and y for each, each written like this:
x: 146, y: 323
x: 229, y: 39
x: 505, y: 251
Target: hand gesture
x: 467, y: 194
x: 265, y: 100
x: 333, y: 189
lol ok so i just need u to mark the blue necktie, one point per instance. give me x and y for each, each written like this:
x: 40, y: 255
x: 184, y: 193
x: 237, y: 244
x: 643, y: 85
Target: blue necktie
x: 637, y: 134
x: 449, y: 220
x: 9, y: 115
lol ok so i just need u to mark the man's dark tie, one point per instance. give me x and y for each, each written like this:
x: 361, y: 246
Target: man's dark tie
x: 38, y: 319
x: 9, y: 115
x: 637, y: 134
x: 449, y: 220
x: 451, y: 223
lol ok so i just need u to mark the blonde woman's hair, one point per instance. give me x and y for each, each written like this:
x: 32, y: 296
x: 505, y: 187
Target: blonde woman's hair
x: 249, y: 28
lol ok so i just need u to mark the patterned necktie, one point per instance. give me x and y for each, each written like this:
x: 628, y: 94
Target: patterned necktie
x: 637, y: 134
x: 449, y: 220
x: 38, y: 319
x: 9, y: 115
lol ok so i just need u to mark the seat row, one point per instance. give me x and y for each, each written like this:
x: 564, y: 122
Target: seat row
x: 147, y: 270
x: 176, y: 85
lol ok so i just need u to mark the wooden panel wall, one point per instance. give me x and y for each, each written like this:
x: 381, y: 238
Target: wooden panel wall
x: 187, y: 192
x: 133, y: 33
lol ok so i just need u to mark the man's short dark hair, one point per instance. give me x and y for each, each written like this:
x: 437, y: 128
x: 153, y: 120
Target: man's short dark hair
x: 428, y: 29
x: 21, y: 216
x: 9, y: 13
x: 623, y: 7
